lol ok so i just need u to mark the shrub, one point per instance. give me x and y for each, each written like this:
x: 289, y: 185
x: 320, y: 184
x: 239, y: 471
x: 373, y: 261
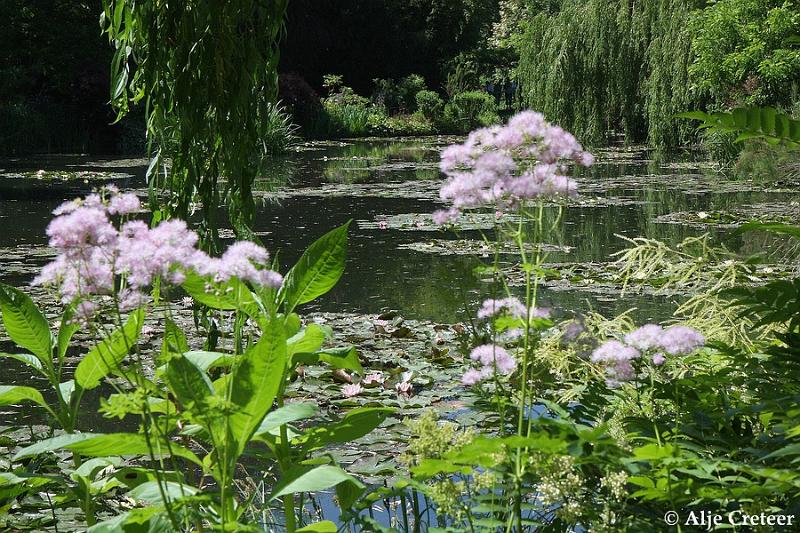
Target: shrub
x: 398, y: 96
x: 470, y: 110
x: 301, y: 100
x: 430, y: 104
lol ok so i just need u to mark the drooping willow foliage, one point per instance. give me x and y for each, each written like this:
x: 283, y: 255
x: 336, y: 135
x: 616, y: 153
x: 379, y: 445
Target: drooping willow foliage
x: 206, y: 72
x: 600, y: 65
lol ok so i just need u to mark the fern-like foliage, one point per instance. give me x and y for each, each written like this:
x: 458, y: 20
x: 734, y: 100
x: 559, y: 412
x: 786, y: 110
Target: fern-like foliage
x: 751, y: 123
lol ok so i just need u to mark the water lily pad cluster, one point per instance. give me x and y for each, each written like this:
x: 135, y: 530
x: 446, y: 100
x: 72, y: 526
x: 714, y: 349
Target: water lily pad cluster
x: 785, y: 213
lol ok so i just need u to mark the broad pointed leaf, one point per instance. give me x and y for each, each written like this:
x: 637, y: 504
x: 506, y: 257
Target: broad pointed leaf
x: 308, y: 478
x: 103, y: 445
x: 12, y: 394
x: 29, y: 359
x: 255, y: 383
x: 286, y: 414
x: 25, y: 324
x: 318, y: 269
x: 109, y: 353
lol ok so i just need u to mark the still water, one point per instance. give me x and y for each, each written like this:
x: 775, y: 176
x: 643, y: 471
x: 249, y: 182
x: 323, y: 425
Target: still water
x: 375, y: 181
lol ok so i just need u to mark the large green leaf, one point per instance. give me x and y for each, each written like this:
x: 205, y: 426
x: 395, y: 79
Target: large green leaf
x: 227, y: 296
x: 286, y: 414
x: 205, y: 360
x: 255, y: 383
x: 103, y: 445
x: 318, y: 269
x: 345, y: 357
x: 25, y: 324
x: 150, y: 492
x: 309, y: 339
x: 30, y: 360
x: 174, y: 339
x: 11, y: 394
x: 109, y: 353
x: 355, y: 424
x: 307, y: 478
x: 188, y: 382
x: 144, y: 520
x: 67, y: 329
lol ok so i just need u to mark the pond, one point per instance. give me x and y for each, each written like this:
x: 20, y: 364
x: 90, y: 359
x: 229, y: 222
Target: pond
x: 408, y: 282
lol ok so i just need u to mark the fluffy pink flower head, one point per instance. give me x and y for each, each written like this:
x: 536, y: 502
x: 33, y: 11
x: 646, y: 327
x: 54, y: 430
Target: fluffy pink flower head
x: 613, y: 352
x: 495, y: 307
x: 92, y: 252
x: 678, y: 340
x: 124, y: 204
x: 471, y: 377
x: 494, y: 357
x: 646, y: 337
x: 506, y: 165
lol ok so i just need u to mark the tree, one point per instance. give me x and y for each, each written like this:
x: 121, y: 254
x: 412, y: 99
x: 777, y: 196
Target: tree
x: 207, y: 74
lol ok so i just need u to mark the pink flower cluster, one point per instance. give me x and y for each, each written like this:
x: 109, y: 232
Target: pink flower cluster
x: 618, y: 357
x: 93, y: 253
x: 510, y: 306
x: 506, y: 165
x: 493, y: 359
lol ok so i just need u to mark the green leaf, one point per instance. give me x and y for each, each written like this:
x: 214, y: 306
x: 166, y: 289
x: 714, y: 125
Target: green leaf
x: 286, y: 414
x: 188, y: 382
x: 66, y: 389
x: 309, y: 339
x: 255, y: 383
x: 348, y: 494
x: 149, y: 491
x: 28, y: 359
x: 307, y: 478
x: 227, y: 296
x: 67, y: 329
x: 345, y: 357
x: 355, y: 424
x: 174, y: 339
x: 103, y: 445
x: 13, y: 394
x: 25, y: 324
x: 318, y: 269
x: 326, y: 526
x: 205, y: 360
x: 145, y: 520
x: 109, y: 353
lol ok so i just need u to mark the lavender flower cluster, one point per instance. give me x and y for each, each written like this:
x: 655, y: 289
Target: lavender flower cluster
x: 503, y: 166
x: 94, y: 254
x: 493, y: 358
x: 618, y: 357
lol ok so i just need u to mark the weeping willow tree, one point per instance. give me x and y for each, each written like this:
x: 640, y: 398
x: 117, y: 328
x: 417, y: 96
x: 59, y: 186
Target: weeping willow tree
x: 600, y: 65
x: 206, y: 72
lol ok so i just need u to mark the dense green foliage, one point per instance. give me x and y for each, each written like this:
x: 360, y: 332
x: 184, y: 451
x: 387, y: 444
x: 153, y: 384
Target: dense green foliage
x: 745, y: 54
x: 208, y: 79
x: 364, y: 40
x: 600, y: 65
x: 629, y: 66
